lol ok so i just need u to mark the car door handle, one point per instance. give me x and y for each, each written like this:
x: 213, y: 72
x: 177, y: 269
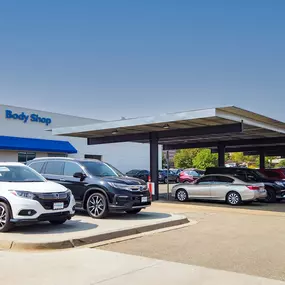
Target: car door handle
x: 61, y: 179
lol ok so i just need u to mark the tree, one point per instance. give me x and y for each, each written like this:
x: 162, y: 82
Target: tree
x: 164, y: 161
x: 184, y: 158
x: 205, y: 158
x: 281, y: 164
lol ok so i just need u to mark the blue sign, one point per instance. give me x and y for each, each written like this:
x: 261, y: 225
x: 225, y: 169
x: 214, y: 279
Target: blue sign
x: 26, y: 117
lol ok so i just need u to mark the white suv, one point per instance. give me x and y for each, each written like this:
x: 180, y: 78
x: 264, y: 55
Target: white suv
x: 26, y: 196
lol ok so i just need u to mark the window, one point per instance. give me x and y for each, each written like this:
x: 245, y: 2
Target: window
x: 37, y: 166
x: 54, y: 167
x: 206, y: 180
x: 26, y: 156
x: 70, y: 168
x: 224, y: 179
x: 98, y: 168
x: 144, y: 172
x: 93, y: 156
x: 57, y: 155
x: 19, y: 174
x: 134, y: 171
x: 192, y: 173
x: 271, y: 174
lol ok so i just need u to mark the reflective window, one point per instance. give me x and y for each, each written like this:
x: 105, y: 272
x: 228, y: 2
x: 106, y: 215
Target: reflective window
x: 70, y: 168
x: 54, y: 167
x: 37, y: 166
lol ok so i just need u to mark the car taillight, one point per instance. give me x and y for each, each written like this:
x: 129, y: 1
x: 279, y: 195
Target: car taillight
x: 253, y: 187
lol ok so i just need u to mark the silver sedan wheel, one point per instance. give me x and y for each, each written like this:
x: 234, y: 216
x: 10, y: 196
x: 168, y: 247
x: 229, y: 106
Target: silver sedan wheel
x: 3, y: 217
x: 233, y: 198
x: 182, y: 195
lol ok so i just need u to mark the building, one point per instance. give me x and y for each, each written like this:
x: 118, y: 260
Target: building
x: 26, y: 134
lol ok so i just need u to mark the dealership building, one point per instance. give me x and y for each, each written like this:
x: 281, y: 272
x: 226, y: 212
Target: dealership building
x: 26, y: 134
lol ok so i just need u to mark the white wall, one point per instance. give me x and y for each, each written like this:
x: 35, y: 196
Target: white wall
x: 6, y: 156
x: 124, y: 156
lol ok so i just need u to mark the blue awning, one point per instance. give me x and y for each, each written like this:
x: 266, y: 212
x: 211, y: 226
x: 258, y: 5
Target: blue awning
x: 28, y: 144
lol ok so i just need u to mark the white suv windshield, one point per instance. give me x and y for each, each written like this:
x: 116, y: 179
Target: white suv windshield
x: 19, y: 174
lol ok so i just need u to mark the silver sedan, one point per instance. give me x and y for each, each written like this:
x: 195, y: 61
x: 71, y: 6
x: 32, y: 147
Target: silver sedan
x: 221, y: 188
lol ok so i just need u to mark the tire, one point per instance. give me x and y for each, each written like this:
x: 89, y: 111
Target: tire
x: 134, y: 211
x: 233, y: 198
x: 271, y: 196
x: 165, y: 180
x: 97, y: 206
x: 181, y: 195
x: 177, y: 180
x: 58, y: 221
x: 5, y: 216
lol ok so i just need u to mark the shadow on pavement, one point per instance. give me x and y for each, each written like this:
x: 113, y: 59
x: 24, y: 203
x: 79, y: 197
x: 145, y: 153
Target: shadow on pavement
x: 47, y: 228
x: 124, y: 216
x: 262, y: 206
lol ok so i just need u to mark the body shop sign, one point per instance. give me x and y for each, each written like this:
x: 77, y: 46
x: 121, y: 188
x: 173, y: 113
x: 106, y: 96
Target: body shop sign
x: 24, y: 117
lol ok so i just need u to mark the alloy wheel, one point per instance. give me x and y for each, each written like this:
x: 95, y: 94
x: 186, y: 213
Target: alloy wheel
x: 181, y: 195
x: 3, y: 217
x: 233, y: 198
x: 96, y: 205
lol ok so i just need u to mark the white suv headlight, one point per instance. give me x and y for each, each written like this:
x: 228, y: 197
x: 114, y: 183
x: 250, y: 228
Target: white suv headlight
x: 23, y: 194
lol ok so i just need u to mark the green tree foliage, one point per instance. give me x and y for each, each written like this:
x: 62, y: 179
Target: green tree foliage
x: 205, y: 158
x: 164, y: 161
x: 184, y: 158
x: 198, y: 158
x: 281, y: 164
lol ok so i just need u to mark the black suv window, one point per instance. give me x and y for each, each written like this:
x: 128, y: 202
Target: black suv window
x: 99, y: 168
x: 272, y: 174
x: 207, y: 180
x: 70, y: 168
x: 54, y: 167
x: 37, y: 166
x: 224, y: 179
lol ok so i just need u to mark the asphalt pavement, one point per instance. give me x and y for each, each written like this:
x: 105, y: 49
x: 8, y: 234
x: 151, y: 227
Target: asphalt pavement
x: 243, y: 240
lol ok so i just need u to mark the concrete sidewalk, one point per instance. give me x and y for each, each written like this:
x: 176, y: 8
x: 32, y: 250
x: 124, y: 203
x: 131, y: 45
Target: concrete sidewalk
x: 93, y: 266
x: 83, y: 230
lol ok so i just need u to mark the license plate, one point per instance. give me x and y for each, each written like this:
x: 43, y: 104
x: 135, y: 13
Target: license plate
x: 144, y: 199
x: 58, y: 205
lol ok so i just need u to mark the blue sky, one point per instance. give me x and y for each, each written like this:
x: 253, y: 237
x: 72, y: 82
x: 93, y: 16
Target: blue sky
x: 113, y: 58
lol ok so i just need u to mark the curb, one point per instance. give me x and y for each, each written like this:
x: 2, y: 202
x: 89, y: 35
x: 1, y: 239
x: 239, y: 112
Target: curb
x: 79, y: 242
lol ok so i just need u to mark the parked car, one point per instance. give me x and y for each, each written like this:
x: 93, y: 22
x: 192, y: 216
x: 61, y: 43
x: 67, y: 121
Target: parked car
x: 98, y: 187
x: 218, y: 187
x: 188, y: 176
x: 275, y: 187
x: 162, y: 176
x: 26, y: 196
x: 141, y: 174
x: 176, y: 171
x: 278, y: 173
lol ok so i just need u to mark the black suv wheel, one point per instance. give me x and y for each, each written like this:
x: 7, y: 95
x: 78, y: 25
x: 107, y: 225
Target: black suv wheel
x: 97, y: 206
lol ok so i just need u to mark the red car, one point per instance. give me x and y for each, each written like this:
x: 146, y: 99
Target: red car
x: 188, y: 176
x: 278, y: 173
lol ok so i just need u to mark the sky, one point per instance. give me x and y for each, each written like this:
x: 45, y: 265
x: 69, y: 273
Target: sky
x: 111, y: 58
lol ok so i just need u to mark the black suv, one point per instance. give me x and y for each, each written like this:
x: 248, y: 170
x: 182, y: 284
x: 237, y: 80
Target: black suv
x: 275, y: 188
x: 97, y: 187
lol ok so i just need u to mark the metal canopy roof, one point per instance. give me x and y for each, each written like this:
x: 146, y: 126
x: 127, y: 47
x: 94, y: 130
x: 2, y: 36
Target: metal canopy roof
x: 196, y: 128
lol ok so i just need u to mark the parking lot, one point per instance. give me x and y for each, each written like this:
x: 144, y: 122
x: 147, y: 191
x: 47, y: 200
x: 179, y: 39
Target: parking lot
x: 247, y: 239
